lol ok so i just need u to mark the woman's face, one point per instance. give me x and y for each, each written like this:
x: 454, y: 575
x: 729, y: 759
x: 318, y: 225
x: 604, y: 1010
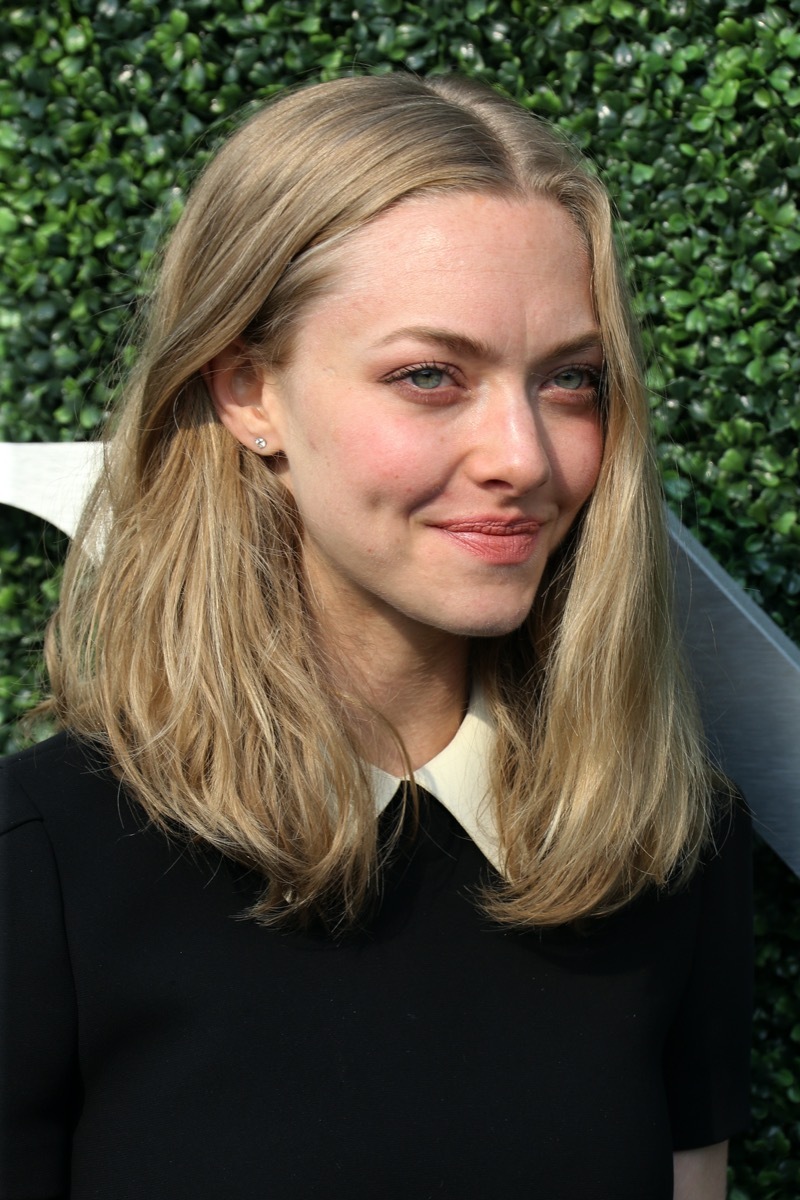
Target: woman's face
x: 439, y: 416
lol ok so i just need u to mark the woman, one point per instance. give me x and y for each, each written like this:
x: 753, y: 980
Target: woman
x: 380, y: 504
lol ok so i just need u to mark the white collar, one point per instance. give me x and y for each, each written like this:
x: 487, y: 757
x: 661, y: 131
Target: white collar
x: 458, y: 777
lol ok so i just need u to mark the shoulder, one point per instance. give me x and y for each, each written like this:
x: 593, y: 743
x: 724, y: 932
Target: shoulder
x: 729, y: 844
x: 63, y: 808
x: 44, y: 780
x: 718, y: 888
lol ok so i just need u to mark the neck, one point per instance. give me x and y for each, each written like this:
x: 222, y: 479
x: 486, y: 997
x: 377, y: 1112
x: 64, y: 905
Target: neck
x: 417, y: 688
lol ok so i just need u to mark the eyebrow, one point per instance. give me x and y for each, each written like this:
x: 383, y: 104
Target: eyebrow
x: 459, y: 343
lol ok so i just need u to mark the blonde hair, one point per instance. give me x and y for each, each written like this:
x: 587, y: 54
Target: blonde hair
x: 184, y: 645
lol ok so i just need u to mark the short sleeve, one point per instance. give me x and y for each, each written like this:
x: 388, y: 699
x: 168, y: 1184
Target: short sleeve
x: 707, y: 1055
x: 38, y: 1033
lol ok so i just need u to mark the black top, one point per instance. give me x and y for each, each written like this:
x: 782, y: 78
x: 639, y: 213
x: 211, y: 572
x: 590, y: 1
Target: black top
x: 158, y: 1047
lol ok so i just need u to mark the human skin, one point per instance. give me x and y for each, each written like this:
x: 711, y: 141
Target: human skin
x: 437, y: 423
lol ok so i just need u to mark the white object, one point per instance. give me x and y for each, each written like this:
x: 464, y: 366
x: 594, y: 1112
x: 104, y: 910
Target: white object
x: 49, y: 479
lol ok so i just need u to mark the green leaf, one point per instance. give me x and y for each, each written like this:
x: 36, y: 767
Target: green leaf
x: 76, y: 39
x: 702, y: 120
x: 476, y: 9
x: 733, y: 461
x: 786, y: 522
x: 8, y: 221
x: 179, y: 21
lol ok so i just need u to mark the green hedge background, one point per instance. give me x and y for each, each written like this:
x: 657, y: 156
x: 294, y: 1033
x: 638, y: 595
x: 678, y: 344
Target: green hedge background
x: 691, y: 111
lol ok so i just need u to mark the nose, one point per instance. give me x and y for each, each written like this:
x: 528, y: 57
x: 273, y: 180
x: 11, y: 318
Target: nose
x: 511, y: 451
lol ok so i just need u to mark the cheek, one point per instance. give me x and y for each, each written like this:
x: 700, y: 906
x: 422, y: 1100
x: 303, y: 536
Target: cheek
x: 578, y: 462
x: 388, y: 462
x: 357, y: 472
x: 594, y: 458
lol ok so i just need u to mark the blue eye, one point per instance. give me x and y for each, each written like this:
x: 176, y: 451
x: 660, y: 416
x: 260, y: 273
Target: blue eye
x: 427, y: 378
x: 573, y: 379
x: 429, y: 383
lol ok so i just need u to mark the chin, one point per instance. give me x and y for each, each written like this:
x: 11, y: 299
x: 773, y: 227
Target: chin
x: 490, y: 626
x: 495, y: 629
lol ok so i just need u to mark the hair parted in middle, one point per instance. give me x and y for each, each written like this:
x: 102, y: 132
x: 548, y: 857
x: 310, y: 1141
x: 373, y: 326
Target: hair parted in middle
x: 185, y: 645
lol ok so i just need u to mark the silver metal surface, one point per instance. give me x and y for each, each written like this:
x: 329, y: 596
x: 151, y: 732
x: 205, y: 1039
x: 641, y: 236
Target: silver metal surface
x: 748, y: 677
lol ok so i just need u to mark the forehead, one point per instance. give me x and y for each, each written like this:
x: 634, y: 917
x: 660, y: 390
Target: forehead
x: 453, y: 229
x: 470, y: 259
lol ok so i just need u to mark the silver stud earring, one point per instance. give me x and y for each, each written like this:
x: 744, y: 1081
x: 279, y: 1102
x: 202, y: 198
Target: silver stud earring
x: 261, y: 443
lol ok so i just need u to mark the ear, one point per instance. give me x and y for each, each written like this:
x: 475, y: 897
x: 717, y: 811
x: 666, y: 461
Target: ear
x: 240, y: 393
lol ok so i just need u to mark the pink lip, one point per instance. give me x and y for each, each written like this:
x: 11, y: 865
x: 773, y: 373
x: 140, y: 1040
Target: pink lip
x: 505, y: 542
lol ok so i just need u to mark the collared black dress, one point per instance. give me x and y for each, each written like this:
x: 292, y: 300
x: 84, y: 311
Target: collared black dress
x: 157, y: 1047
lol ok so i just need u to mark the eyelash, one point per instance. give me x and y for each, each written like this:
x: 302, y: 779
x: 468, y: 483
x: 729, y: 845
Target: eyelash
x: 406, y: 372
x: 594, y: 378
